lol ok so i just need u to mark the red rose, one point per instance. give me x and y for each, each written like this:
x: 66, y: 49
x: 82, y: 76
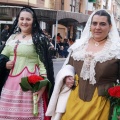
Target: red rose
x: 118, y: 94
x: 114, y: 91
x: 34, y: 79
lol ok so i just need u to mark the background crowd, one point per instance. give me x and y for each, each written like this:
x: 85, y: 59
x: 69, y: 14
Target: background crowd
x: 59, y: 45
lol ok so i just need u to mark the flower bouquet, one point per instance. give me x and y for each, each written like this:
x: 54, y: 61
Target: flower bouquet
x: 114, y: 97
x: 34, y: 83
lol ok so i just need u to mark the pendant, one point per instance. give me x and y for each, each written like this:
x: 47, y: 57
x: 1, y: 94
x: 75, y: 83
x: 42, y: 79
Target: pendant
x: 23, y: 36
x: 96, y: 44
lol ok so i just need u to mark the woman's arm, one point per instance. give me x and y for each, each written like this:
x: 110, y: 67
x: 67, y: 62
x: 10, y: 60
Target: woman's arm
x: 42, y: 73
x: 6, y: 52
x: 69, y: 80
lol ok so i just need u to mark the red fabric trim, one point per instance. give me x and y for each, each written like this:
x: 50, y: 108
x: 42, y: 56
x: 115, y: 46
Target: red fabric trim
x: 15, y: 55
x: 45, y: 104
x: 36, y: 66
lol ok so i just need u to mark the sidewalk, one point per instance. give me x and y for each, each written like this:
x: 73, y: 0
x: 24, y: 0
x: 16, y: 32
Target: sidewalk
x: 59, y: 59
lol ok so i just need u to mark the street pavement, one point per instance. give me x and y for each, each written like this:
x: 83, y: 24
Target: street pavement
x: 57, y: 64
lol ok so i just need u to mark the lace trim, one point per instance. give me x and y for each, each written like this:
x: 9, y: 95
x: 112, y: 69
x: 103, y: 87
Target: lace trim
x: 109, y: 52
x: 87, y: 71
x: 11, y: 41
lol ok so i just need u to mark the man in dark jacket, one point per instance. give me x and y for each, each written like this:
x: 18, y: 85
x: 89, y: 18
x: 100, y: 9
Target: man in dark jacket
x: 4, y: 34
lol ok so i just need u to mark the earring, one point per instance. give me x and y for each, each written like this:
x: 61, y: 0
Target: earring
x: 90, y: 29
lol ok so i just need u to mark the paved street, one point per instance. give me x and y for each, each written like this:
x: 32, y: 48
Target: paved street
x: 57, y: 63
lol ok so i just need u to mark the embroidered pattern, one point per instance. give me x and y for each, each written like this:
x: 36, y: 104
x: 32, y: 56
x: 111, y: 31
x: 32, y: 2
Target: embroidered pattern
x: 18, y: 106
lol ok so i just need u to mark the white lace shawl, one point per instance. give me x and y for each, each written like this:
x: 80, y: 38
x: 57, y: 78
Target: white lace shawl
x: 110, y: 51
x: 90, y: 59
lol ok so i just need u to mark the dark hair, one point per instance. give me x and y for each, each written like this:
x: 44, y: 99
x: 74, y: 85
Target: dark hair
x: 35, y: 24
x: 5, y: 26
x: 36, y: 30
x: 58, y: 34
x: 104, y: 13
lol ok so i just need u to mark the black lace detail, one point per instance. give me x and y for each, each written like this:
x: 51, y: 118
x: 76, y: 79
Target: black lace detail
x: 42, y: 48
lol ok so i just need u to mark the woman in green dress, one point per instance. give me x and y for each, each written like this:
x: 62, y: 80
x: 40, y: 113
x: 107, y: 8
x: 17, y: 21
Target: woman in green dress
x: 28, y: 51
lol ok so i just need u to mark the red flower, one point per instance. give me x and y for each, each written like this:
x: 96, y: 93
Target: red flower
x: 114, y: 91
x: 34, y: 79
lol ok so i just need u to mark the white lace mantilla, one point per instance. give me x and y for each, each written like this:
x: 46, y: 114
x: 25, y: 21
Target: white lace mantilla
x: 11, y: 41
x: 109, y: 52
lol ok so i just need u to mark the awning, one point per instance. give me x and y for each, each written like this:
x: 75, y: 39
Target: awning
x: 51, y: 15
x: 46, y: 15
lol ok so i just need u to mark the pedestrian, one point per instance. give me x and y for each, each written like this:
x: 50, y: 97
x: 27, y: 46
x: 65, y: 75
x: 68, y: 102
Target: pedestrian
x: 59, y: 37
x: 70, y: 41
x: 4, y: 34
x: 28, y: 53
x: 92, y: 66
x: 66, y: 46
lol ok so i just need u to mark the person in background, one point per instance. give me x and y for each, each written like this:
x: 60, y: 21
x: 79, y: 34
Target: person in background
x: 70, y: 41
x: 61, y: 48
x: 52, y: 48
x: 91, y: 68
x: 4, y: 34
x: 66, y: 46
x: 28, y: 53
x: 59, y: 37
x: 45, y: 32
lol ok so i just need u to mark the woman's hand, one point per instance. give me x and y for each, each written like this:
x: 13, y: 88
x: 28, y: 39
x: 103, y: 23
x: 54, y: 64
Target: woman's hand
x: 69, y: 81
x: 44, y: 75
x: 9, y: 64
x: 39, y: 93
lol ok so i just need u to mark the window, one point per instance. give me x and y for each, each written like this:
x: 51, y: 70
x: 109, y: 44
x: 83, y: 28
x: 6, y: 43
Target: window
x: 62, y: 4
x: 73, y: 4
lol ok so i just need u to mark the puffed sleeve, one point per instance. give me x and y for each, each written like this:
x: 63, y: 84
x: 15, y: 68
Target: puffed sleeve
x: 6, y: 51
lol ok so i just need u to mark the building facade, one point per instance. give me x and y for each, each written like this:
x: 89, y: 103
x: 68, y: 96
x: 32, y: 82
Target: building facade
x: 72, y: 30
x: 32, y: 3
x: 69, y: 25
x: 116, y: 12
x: 112, y: 5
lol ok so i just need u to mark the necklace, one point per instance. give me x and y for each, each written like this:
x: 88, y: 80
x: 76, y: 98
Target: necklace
x: 23, y: 36
x: 98, y: 43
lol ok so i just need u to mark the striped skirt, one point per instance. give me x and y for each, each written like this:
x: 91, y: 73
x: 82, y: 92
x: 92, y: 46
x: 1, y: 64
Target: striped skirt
x: 18, y: 105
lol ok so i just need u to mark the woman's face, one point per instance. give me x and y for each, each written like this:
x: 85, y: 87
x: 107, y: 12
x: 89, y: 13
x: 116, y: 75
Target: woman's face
x: 100, y: 27
x: 25, y: 22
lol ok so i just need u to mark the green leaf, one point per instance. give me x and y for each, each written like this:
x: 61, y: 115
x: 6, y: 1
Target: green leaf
x: 41, y: 84
x: 92, y: 1
x: 23, y: 88
x: 25, y: 85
